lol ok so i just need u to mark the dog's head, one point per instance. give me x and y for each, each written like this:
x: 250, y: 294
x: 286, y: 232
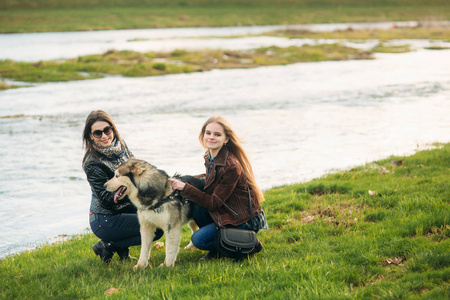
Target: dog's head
x: 137, y: 179
x: 123, y: 181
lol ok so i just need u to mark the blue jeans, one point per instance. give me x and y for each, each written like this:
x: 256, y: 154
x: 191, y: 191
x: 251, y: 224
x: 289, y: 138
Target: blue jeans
x: 203, y: 238
x: 121, y: 229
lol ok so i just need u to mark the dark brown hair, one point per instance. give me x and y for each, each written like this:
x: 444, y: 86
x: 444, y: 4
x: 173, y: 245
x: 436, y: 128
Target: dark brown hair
x: 235, y: 147
x: 94, y: 116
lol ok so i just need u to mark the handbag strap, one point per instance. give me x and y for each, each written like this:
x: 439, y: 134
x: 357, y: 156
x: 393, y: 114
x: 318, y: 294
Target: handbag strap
x: 251, y: 208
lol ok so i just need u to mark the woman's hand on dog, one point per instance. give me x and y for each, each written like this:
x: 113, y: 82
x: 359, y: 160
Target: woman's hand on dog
x: 177, y: 184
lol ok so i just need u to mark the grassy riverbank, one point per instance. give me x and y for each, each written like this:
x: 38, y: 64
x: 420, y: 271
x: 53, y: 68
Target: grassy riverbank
x: 379, y: 231
x: 425, y: 31
x: 136, y: 64
x: 65, y: 15
x: 5, y: 86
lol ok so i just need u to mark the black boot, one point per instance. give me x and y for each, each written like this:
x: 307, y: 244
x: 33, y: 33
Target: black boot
x: 124, y: 253
x: 258, y: 248
x: 104, y: 250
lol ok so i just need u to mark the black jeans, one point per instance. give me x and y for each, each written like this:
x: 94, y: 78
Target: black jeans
x: 121, y: 229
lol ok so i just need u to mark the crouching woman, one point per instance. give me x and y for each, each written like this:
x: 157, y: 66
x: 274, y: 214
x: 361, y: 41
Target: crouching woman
x: 224, y: 201
x: 116, y: 224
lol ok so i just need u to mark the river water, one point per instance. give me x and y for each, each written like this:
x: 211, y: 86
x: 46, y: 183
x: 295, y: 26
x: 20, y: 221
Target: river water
x: 298, y: 122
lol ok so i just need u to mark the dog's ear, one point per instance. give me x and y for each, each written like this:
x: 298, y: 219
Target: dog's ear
x: 123, y: 169
x: 138, y: 169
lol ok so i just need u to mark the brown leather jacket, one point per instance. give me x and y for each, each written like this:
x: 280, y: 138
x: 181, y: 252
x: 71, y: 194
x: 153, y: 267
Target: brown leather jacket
x: 225, y: 194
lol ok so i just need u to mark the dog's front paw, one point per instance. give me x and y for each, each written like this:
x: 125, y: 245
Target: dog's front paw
x: 139, y: 266
x: 164, y: 264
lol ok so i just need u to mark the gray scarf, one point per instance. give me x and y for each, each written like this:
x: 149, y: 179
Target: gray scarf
x: 113, y: 155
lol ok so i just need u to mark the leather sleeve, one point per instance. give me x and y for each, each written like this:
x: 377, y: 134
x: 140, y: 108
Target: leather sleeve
x: 97, y: 177
x: 221, y: 193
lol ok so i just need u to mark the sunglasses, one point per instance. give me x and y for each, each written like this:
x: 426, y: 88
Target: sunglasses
x: 98, y: 133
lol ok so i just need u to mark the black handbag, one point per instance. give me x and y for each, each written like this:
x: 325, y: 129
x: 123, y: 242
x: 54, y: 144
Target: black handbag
x: 236, y: 243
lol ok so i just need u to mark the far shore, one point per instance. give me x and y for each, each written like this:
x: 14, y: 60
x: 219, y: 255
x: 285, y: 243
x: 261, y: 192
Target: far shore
x: 51, y: 16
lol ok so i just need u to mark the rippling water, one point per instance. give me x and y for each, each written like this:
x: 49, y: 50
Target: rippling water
x: 298, y: 122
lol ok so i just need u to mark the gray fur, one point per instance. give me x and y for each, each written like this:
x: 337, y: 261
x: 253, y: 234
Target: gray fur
x: 149, y: 190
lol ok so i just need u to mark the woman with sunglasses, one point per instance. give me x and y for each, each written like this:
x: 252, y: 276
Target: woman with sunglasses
x: 116, y: 224
x: 224, y: 201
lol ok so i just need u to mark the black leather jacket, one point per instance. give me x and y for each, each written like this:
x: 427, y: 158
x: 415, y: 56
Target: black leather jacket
x: 99, y: 169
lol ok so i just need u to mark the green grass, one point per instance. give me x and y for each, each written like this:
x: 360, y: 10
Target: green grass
x: 43, y: 18
x: 5, y: 86
x: 420, y: 32
x: 381, y: 48
x: 68, y: 4
x: 328, y: 239
x: 437, y: 48
x: 135, y: 64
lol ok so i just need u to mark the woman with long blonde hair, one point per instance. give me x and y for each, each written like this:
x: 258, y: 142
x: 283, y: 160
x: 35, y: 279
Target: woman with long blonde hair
x: 229, y: 180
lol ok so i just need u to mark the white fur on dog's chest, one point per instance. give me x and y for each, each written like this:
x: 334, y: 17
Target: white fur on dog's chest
x: 160, y: 217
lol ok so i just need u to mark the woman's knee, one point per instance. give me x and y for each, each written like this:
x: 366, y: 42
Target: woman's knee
x: 203, y: 238
x: 198, y: 240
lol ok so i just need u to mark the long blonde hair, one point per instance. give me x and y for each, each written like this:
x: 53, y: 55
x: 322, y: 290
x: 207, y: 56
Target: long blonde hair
x: 235, y: 147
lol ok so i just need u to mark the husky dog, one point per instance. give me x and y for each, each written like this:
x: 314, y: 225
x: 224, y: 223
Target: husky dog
x: 158, y: 205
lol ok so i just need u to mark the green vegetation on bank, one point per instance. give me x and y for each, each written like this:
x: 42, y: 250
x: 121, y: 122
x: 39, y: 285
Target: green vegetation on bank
x: 133, y: 64
x: 381, y: 48
x: 379, y: 231
x: 68, y: 4
x: 65, y: 15
x: 437, y: 48
x: 427, y: 32
x: 5, y: 86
